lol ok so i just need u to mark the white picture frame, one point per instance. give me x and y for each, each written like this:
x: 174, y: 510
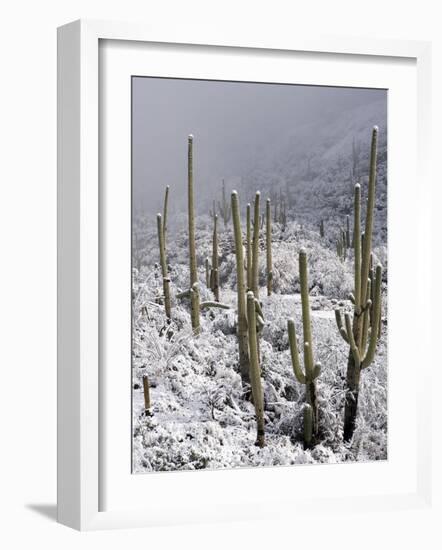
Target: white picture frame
x: 80, y: 436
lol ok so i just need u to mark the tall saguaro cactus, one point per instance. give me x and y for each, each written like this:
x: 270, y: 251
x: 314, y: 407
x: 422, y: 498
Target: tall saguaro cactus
x: 241, y: 290
x: 224, y: 207
x: 269, y: 247
x: 166, y: 203
x: 357, y: 332
x: 163, y: 263
x: 249, y: 246
x: 255, y: 372
x: 214, y: 275
x: 312, y: 369
x: 195, y: 312
x: 255, y: 247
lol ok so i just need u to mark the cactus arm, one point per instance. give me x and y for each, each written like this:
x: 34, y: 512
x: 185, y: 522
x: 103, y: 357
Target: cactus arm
x: 260, y: 323
x: 365, y: 327
x: 258, y: 308
x: 357, y: 246
x: 351, y: 340
x: 369, y: 356
x: 294, y: 352
x: 255, y: 250
x: 342, y: 331
x: 351, y: 297
x: 183, y: 294
x: 204, y: 305
x: 317, y: 370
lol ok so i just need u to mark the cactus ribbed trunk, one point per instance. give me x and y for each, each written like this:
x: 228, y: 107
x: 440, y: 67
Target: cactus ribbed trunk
x: 308, y: 341
x: 249, y: 246
x: 255, y: 372
x: 224, y: 206
x: 312, y: 370
x: 195, y: 312
x: 195, y: 308
x: 255, y: 248
x: 163, y: 263
x: 367, y: 299
x: 146, y: 391
x: 269, y: 247
x: 166, y: 203
x: 241, y: 291
x: 214, y: 279
x: 207, y: 268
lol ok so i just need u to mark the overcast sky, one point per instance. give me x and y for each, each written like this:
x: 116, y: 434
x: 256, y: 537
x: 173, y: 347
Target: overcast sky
x: 230, y: 121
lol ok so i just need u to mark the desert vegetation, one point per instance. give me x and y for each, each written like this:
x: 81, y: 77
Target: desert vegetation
x: 222, y: 374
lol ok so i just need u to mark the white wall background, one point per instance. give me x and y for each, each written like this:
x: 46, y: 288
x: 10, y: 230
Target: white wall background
x: 28, y: 264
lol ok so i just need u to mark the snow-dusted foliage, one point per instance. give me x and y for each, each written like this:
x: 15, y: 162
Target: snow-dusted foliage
x: 200, y: 417
x: 201, y: 414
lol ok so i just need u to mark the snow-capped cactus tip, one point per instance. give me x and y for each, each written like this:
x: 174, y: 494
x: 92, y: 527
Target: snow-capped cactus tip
x: 375, y: 128
x: 190, y: 137
x: 234, y: 193
x: 357, y: 186
x: 303, y: 251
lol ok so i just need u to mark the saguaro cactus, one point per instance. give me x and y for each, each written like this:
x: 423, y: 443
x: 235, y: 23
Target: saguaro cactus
x: 249, y: 246
x: 255, y: 247
x: 269, y: 247
x: 166, y: 202
x: 214, y: 275
x: 241, y: 290
x: 224, y: 207
x: 195, y: 312
x: 146, y: 391
x: 207, y: 268
x: 195, y: 307
x: 255, y: 372
x: 321, y: 229
x: 312, y: 369
x: 367, y: 304
x: 163, y: 263
x: 347, y: 233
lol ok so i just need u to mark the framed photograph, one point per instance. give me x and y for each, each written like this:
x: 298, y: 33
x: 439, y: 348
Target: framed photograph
x: 235, y: 227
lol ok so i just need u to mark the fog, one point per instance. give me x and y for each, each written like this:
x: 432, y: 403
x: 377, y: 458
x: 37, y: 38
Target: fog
x: 234, y: 124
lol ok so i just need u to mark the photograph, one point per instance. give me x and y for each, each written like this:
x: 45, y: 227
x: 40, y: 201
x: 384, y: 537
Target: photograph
x: 259, y: 274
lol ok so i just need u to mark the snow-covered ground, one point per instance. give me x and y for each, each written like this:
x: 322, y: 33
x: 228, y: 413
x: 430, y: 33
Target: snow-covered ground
x: 200, y: 416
